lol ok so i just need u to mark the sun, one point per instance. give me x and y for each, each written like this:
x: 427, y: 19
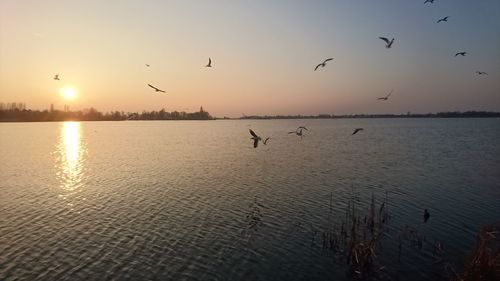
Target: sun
x: 68, y: 93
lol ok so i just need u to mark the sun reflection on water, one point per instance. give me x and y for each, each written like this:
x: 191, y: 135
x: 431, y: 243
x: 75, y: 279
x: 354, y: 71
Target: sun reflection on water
x: 70, y: 151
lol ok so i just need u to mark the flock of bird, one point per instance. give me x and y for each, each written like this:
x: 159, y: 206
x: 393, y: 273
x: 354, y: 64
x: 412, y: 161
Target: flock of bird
x: 388, y: 45
x: 298, y: 132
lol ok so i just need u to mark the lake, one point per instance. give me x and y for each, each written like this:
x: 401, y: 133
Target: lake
x: 193, y: 200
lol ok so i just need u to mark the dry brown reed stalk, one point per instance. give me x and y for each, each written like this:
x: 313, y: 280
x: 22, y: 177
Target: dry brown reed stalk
x: 357, y: 240
x: 484, y: 263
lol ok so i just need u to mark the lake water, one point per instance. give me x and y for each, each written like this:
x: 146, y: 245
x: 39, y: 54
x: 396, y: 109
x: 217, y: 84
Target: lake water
x: 169, y: 200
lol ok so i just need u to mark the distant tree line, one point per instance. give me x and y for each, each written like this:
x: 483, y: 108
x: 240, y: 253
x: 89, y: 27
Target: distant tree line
x: 454, y: 114
x: 17, y: 112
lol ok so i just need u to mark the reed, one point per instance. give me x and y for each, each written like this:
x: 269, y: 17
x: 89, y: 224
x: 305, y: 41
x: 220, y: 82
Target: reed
x: 357, y: 240
x: 484, y: 263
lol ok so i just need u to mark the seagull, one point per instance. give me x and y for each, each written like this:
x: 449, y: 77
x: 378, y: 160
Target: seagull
x: 443, y: 19
x: 357, y: 130
x: 209, y: 63
x: 147, y: 65
x: 56, y: 77
x: 255, y: 138
x: 323, y: 64
x: 265, y: 141
x: 481, y: 73
x: 297, y: 132
x: 386, y: 97
x: 426, y: 216
x: 156, y: 89
x: 461, y: 54
x: 429, y: 1
x: 388, y: 44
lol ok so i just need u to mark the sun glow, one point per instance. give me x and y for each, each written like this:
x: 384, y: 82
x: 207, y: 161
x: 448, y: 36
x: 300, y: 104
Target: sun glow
x: 68, y: 93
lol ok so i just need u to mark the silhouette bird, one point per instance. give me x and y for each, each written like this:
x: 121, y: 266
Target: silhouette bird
x: 461, y: 54
x: 386, y: 97
x: 56, y: 77
x: 323, y: 64
x: 147, y: 65
x: 426, y: 215
x: 443, y: 19
x: 388, y: 44
x: 429, y: 1
x: 357, y: 130
x: 255, y: 138
x: 481, y: 73
x: 209, y: 63
x: 297, y: 132
x: 265, y: 141
x: 156, y: 89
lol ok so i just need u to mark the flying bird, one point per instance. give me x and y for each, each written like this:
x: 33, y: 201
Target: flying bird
x: 426, y: 215
x: 255, y: 138
x: 429, y: 1
x: 56, y: 77
x: 461, y: 54
x: 481, y: 73
x: 323, y: 64
x: 147, y: 65
x: 265, y: 141
x: 298, y: 132
x: 209, y: 63
x: 386, y: 97
x: 156, y: 89
x: 443, y: 19
x: 388, y: 44
x: 357, y: 130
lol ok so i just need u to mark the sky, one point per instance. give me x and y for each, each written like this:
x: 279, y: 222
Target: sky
x: 263, y: 55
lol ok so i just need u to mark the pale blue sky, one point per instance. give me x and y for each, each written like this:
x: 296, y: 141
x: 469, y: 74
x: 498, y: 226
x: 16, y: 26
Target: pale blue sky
x: 263, y: 53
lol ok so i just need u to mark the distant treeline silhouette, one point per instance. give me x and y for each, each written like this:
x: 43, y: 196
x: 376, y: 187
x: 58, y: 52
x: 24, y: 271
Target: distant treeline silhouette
x: 453, y: 114
x: 17, y: 112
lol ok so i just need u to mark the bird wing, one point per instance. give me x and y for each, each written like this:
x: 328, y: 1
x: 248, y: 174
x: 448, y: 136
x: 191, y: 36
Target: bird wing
x: 253, y: 133
x: 390, y: 93
x: 294, y: 132
x: 265, y: 141
x: 329, y: 59
x: 255, y: 142
x: 385, y: 39
x: 317, y: 66
x: 356, y: 130
x: 153, y: 87
x: 303, y: 127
